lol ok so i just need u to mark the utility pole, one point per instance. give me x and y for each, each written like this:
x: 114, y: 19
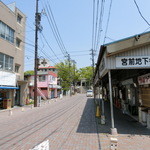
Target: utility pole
x: 93, y: 65
x: 69, y: 61
x: 74, y: 67
x: 37, y: 25
x: 92, y: 54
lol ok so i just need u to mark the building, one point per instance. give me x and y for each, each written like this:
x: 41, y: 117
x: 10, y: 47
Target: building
x: 12, y: 37
x: 123, y: 72
x: 47, y: 81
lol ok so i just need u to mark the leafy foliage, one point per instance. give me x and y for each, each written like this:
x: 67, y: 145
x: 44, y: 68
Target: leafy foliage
x: 86, y: 73
x: 69, y: 74
x: 29, y: 72
x: 65, y: 73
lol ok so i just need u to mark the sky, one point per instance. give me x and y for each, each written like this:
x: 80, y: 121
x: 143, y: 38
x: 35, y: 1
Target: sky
x: 74, y: 20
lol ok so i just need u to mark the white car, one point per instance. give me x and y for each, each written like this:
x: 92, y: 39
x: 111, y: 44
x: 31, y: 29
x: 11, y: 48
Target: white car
x: 89, y: 93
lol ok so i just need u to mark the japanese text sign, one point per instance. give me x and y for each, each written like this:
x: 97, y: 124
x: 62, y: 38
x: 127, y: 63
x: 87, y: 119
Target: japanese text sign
x: 133, y: 62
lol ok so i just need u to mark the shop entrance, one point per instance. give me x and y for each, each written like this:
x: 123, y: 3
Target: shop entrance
x: 3, y: 95
x: 17, y: 97
x: 52, y: 93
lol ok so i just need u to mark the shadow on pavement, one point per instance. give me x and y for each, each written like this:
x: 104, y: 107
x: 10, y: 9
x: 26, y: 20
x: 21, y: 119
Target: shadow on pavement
x: 124, y: 123
x: 88, y: 123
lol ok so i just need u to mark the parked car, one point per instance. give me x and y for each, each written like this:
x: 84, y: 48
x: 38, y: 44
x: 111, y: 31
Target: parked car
x: 89, y: 93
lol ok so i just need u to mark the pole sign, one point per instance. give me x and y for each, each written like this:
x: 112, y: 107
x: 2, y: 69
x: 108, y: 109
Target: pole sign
x: 133, y: 62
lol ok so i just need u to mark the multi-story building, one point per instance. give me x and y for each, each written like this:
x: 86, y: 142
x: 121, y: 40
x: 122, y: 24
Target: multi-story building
x: 12, y: 37
x: 47, y: 81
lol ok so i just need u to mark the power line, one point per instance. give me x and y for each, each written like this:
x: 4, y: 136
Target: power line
x: 49, y: 46
x: 57, y: 29
x: 141, y: 13
x: 74, y: 56
x: 96, y: 25
x: 100, y: 23
x: 93, y: 24
x: 107, y: 21
x: 54, y: 28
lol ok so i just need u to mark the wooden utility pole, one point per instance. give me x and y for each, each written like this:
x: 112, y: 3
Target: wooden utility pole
x: 69, y: 61
x: 37, y: 21
x: 93, y: 65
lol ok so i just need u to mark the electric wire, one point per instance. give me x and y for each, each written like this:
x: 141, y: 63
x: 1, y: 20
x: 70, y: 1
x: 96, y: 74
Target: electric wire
x: 141, y: 13
x: 93, y: 24
x: 52, y: 23
x: 49, y: 46
x: 107, y: 21
x: 100, y: 23
x: 57, y: 30
x: 96, y: 25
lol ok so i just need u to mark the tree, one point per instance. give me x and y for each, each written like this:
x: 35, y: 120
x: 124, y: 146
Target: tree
x: 29, y: 72
x: 66, y: 74
x: 86, y: 73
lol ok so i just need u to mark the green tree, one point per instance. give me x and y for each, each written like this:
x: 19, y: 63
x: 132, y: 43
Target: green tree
x: 29, y: 72
x: 66, y: 74
x: 86, y: 73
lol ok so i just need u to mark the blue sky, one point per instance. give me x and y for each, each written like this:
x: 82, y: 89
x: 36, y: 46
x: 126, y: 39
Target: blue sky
x: 74, y: 21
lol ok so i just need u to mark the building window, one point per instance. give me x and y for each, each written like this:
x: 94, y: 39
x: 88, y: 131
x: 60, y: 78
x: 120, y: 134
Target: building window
x: 18, y: 42
x: 6, y: 32
x: 1, y: 60
x: 19, y: 18
x: 6, y: 62
x: 52, y: 78
x: 17, y: 68
x: 42, y: 78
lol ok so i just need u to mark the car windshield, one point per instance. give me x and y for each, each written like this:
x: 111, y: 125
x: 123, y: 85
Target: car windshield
x: 89, y: 91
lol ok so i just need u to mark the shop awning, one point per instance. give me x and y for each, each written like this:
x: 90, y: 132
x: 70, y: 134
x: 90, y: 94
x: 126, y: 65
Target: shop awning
x: 8, y: 87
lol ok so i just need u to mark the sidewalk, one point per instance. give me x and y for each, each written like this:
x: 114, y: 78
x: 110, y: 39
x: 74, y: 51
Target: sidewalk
x: 131, y: 134
x: 31, y: 106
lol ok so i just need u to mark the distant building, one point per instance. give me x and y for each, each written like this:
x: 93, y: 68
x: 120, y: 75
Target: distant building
x: 12, y: 37
x: 47, y: 81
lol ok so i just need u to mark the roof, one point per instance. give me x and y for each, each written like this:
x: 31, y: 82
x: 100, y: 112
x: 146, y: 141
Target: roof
x: 126, y: 38
x: 123, y: 45
x: 47, y: 67
x: 52, y: 73
x: 128, y: 43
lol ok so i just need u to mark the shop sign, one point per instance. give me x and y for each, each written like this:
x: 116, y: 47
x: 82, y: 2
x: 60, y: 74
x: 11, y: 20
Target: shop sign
x: 145, y: 79
x: 133, y: 62
x: 7, y: 78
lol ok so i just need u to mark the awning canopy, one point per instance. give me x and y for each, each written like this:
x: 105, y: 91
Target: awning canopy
x: 8, y: 87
